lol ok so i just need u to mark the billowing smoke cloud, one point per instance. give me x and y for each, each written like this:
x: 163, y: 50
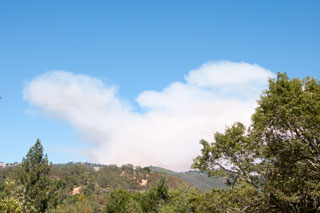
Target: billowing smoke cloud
x: 168, y: 131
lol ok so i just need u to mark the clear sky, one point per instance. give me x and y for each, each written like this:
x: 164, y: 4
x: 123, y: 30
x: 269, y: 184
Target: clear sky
x: 135, y: 46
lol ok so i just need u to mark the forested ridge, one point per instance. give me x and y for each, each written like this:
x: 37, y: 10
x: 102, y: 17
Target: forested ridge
x: 88, y: 187
x: 271, y: 166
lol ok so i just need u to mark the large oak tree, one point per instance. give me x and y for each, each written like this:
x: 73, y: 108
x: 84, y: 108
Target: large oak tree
x: 278, y: 155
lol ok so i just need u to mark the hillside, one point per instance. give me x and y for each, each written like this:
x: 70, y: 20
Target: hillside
x: 102, y: 177
x: 94, y: 182
x: 199, y: 180
x: 129, y: 177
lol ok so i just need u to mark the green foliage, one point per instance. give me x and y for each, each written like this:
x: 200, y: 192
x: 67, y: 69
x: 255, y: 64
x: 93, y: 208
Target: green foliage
x: 242, y: 198
x: 99, y: 187
x: 198, y: 179
x: 155, y: 196
x: 162, y: 190
x: 34, y: 176
x: 11, y: 198
x: 232, y: 155
x: 121, y: 201
x: 277, y: 159
x: 77, y: 204
x: 90, y: 188
x: 179, y: 200
x: 286, y: 125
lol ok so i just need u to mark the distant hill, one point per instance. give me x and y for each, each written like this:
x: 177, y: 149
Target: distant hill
x: 6, y: 165
x: 198, y: 179
x: 77, y: 177
x: 108, y: 177
x: 73, y: 182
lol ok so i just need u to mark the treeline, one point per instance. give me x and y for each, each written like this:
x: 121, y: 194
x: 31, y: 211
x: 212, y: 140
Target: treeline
x: 271, y: 166
x: 35, y: 185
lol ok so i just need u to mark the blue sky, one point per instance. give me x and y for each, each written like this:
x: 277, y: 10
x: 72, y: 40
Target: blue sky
x: 137, y: 46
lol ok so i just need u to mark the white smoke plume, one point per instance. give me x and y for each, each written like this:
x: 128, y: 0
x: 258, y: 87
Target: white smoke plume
x: 168, y: 131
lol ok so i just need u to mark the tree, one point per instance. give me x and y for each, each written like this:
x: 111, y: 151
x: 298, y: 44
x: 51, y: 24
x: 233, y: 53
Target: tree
x: 78, y: 203
x: 155, y: 196
x: 34, y: 176
x: 179, y: 200
x: 242, y: 198
x: 279, y: 154
x: 121, y: 201
x: 11, y: 198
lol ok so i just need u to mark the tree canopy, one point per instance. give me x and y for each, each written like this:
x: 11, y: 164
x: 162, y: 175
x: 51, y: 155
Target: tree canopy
x: 279, y: 154
x: 34, y: 176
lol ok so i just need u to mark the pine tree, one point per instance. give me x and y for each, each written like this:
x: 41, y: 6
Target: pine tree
x: 34, y: 176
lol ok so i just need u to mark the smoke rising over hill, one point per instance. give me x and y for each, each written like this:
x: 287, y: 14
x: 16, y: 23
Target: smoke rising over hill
x: 167, y: 133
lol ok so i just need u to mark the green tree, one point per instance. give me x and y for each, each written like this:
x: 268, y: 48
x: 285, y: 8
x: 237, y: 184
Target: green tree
x: 34, y: 176
x: 179, y: 200
x: 279, y: 154
x: 75, y: 204
x: 11, y: 198
x: 121, y: 201
x: 162, y: 190
x: 286, y: 127
x: 155, y: 196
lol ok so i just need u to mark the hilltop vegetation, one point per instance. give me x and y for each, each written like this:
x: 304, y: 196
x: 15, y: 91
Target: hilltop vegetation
x: 78, y: 186
x: 198, y: 179
x: 271, y: 166
x: 75, y: 187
